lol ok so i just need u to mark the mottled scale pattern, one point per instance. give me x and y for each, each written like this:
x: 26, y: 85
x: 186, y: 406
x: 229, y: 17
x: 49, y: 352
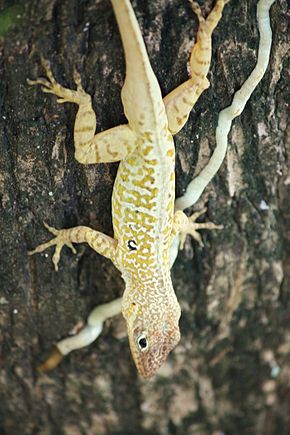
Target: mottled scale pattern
x: 143, y: 204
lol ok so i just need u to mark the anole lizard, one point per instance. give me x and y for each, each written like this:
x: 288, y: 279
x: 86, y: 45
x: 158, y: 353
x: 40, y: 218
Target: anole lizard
x: 144, y: 221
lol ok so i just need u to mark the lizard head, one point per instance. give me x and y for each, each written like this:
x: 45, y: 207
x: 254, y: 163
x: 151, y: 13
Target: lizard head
x: 153, y: 332
x: 150, y: 346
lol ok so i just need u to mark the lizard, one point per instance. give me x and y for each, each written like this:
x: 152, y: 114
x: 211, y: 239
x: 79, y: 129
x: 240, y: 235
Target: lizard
x: 144, y: 221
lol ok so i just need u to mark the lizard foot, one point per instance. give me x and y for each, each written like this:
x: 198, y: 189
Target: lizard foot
x: 51, y: 86
x: 207, y: 22
x: 59, y: 241
x: 192, y: 228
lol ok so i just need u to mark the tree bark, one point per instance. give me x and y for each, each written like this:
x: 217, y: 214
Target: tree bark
x: 230, y: 374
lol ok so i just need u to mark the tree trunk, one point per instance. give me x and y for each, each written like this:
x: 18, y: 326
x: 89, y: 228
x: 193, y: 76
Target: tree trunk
x: 230, y: 374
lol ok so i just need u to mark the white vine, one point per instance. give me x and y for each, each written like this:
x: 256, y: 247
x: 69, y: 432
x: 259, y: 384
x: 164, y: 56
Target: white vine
x: 226, y: 116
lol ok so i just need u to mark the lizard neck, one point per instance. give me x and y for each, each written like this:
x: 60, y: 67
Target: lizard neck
x: 147, y: 294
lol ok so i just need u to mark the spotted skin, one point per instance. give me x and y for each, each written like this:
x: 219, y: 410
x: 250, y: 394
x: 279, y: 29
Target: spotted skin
x: 144, y: 190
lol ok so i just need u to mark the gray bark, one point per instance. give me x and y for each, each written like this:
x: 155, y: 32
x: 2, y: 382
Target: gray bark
x: 230, y: 372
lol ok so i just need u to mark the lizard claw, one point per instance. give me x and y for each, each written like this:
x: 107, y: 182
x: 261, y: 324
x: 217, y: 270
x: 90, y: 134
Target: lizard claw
x: 40, y: 81
x: 51, y: 86
x: 52, y: 230
x: 77, y: 78
x: 197, y: 10
x: 59, y: 241
x: 78, y: 82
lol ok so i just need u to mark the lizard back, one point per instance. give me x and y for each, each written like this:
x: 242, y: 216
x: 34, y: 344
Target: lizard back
x: 143, y: 204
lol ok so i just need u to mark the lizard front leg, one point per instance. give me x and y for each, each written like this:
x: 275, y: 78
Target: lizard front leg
x: 100, y: 242
x: 103, y: 245
x: 181, y: 100
x: 108, y: 146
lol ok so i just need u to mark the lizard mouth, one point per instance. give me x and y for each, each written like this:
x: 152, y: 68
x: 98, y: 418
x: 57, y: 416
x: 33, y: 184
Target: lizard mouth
x: 147, y: 367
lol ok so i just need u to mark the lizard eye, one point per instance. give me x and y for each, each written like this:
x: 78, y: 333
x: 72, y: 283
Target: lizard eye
x: 142, y: 343
x: 132, y: 245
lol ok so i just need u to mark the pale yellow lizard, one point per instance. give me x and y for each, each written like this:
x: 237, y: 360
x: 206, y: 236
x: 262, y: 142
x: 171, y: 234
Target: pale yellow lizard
x: 144, y: 221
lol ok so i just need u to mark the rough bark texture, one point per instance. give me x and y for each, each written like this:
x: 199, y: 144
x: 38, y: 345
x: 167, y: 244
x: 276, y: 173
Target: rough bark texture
x: 231, y: 372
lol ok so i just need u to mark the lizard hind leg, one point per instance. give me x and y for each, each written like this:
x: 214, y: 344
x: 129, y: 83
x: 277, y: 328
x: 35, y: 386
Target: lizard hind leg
x: 108, y: 146
x: 181, y: 100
